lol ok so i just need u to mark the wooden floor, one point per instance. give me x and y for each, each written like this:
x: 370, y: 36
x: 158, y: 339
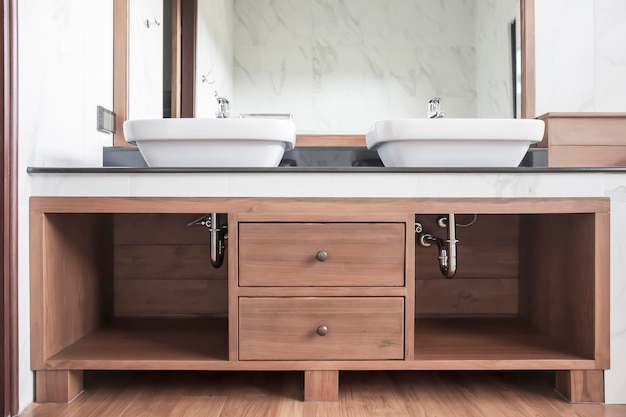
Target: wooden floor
x: 277, y: 394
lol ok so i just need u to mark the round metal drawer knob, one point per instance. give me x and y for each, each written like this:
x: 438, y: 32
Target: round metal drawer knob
x: 322, y: 330
x: 321, y: 255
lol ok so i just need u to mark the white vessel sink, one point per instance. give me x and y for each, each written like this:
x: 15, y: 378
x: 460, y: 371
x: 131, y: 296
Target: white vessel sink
x: 454, y: 142
x: 228, y: 142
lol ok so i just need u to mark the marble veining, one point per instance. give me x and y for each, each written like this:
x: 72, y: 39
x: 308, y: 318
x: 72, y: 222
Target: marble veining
x: 340, y: 66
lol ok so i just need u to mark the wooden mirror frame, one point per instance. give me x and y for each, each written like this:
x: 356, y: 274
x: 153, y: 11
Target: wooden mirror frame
x: 183, y: 61
x: 183, y: 65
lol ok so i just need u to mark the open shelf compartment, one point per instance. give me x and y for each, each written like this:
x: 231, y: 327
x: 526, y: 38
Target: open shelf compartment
x: 148, y: 343
x: 487, y: 339
x: 127, y: 291
x: 530, y: 293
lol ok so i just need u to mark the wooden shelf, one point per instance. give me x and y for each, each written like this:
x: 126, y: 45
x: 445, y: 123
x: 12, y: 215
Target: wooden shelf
x: 498, y: 340
x: 202, y: 344
x: 151, y: 343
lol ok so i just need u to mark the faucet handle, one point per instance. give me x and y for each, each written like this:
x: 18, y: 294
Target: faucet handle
x: 223, y: 106
x: 218, y: 97
x: 433, y: 110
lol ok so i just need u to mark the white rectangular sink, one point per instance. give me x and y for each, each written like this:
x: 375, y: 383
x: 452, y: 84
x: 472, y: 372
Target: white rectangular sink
x: 229, y: 142
x: 454, y: 142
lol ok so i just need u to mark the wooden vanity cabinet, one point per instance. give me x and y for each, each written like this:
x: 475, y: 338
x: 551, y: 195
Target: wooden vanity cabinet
x: 318, y: 285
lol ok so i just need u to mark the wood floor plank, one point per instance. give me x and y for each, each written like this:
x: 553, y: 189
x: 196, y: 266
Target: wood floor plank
x: 361, y: 394
x: 253, y: 396
x: 428, y: 394
x: 157, y: 399
x: 371, y: 397
x: 198, y: 407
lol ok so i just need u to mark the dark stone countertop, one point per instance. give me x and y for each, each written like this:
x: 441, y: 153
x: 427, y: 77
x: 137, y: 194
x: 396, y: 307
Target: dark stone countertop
x: 337, y: 170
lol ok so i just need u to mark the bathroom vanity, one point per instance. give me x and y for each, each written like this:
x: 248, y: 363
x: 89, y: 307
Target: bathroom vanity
x: 322, y: 273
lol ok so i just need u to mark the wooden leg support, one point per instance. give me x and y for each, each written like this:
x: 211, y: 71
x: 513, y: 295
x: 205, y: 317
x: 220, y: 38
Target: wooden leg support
x: 57, y: 386
x: 321, y: 385
x: 585, y: 386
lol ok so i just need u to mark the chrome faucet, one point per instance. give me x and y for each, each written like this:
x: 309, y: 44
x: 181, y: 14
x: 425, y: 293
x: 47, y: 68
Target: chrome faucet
x: 223, y: 107
x: 434, y: 109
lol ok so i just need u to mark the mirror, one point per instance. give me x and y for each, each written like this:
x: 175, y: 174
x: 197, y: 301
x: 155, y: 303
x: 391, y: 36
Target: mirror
x: 340, y: 66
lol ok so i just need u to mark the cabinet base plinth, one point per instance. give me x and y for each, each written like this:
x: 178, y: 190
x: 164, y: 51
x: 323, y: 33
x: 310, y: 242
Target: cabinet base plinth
x: 581, y: 386
x: 58, y: 386
x: 321, y: 385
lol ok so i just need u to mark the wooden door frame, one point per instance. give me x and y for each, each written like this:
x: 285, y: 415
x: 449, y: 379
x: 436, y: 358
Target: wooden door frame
x: 9, y: 402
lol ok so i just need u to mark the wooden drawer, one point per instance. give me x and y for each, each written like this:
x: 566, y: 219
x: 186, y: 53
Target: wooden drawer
x: 285, y: 254
x: 359, y: 328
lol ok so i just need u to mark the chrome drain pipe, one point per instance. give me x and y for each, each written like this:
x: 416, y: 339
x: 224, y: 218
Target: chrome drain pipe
x: 447, y: 247
x: 218, y: 236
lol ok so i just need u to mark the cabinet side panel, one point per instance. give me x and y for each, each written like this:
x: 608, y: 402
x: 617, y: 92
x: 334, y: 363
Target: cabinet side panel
x: 410, y: 300
x: 233, y: 287
x: 73, y: 255
x: 37, y: 316
x: 602, y: 290
x: 557, y: 275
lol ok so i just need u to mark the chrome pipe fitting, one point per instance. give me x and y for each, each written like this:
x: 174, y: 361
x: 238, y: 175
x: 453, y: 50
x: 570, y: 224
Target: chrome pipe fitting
x: 218, y: 236
x: 217, y: 241
x: 446, y: 247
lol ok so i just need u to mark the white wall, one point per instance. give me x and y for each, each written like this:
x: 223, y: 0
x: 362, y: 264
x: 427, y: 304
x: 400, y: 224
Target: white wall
x: 65, y: 70
x: 580, y: 55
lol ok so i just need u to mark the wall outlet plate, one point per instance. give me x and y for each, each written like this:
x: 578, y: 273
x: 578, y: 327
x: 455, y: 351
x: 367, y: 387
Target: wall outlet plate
x: 106, y: 120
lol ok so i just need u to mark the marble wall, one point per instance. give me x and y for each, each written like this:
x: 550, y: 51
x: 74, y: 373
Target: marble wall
x: 580, y: 55
x: 340, y: 66
x: 494, y: 79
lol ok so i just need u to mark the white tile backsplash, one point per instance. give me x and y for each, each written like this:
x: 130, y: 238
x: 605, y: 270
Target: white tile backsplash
x: 563, y: 88
x: 610, y: 33
x: 610, y: 91
x: 565, y: 32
